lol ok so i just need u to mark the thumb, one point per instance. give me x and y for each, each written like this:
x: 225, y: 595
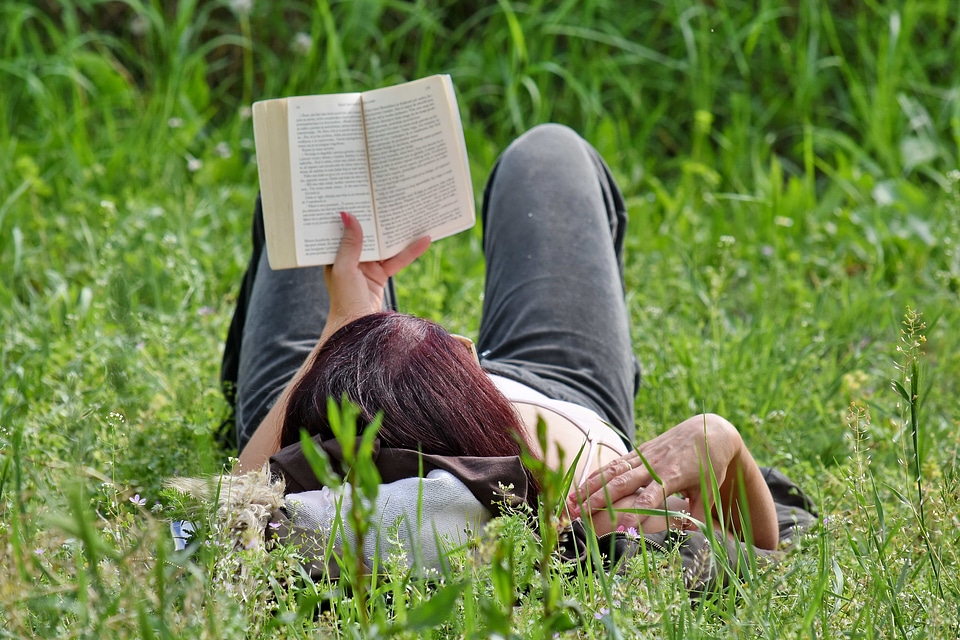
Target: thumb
x: 650, y: 498
x: 351, y: 244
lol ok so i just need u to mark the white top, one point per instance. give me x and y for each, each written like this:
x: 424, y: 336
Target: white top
x: 571, y: 428
x: 421, y: 519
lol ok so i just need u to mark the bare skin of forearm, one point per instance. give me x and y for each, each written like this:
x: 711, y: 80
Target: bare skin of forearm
x: 266, y: 439
x: 744, y: 501
x: 745, y: 492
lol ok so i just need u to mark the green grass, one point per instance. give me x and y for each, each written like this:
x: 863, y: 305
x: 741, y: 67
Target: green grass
x: 792, y: 174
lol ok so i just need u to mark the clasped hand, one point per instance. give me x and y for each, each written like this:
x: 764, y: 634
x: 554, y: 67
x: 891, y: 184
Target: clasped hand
x: 702, y: 459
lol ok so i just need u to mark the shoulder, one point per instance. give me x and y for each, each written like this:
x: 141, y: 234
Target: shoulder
x: 572, y: 429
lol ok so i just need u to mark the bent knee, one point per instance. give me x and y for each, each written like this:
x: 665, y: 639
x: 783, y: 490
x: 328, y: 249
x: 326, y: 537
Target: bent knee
x: 713, y: 421
x: 546, y: 136
x: 552, y: 129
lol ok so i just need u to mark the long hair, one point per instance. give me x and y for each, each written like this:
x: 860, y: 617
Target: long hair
x: 433, y: 394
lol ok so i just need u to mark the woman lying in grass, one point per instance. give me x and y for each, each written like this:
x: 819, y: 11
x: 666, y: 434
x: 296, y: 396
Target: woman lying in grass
x: 554, y: 344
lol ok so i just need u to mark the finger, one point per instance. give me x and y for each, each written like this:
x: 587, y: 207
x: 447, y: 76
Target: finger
x: 613, y: 488
x: 351, y: 245
x: 604, y: 474
x: 626, y: 516
x: 635, y: 511
x: 614, y: 518
x: 628, y: 520
x: 411, y: 252
x: 595, y: 482
x: 653, y: 496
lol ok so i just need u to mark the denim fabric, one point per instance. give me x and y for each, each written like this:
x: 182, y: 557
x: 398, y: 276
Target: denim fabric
x: 554, y: 315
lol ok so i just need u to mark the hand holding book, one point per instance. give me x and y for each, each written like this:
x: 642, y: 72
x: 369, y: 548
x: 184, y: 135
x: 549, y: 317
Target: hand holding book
x: 355, y: 287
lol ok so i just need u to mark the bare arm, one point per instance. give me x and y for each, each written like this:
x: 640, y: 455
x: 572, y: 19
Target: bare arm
x: 356, y: 289
x: 680, y: 457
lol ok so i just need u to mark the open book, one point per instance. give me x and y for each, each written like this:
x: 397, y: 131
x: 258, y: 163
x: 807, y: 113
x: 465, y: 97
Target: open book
x: 393, y: 157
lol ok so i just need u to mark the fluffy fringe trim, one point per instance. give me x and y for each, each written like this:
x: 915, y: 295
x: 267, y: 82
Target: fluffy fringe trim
x: 245, y: 502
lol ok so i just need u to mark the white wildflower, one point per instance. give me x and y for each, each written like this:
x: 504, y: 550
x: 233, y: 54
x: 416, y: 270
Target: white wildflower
x: 302, y: 44
x: 241, y: 7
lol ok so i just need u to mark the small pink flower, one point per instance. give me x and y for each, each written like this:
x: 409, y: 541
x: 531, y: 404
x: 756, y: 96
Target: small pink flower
x: 137, y: 500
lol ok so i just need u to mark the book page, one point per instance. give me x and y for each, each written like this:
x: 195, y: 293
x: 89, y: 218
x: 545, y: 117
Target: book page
x: 273, y: 167
x: 329, y: 174
x: 458, y: 122
x: 420, y: 175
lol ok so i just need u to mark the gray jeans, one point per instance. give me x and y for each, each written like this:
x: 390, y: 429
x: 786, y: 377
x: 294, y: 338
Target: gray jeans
x: 554, y: 315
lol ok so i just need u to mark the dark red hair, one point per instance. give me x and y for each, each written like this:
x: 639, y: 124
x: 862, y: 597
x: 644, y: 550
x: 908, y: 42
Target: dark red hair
x: 434, y: 396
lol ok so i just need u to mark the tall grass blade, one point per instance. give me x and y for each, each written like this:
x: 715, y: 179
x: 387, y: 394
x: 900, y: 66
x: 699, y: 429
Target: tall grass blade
x: 912, y: 340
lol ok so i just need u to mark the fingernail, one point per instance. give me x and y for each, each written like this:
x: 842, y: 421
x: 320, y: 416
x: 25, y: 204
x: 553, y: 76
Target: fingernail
x: 344, y: 218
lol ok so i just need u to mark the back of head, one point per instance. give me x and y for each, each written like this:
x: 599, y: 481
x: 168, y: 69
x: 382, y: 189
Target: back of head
x: 433, y: 394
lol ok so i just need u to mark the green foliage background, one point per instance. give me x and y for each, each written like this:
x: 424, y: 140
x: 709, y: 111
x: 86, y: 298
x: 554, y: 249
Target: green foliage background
x: 792, y: 175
